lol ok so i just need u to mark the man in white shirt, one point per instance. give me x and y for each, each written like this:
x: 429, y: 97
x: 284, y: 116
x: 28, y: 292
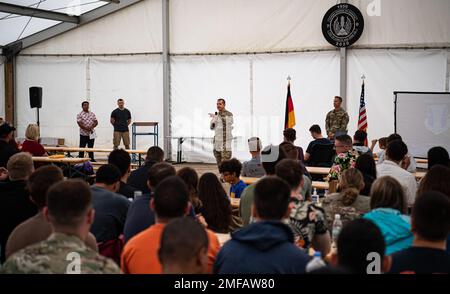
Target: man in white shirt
x: 395, y: 153
x: 408, y: 163
x: 87, y: 121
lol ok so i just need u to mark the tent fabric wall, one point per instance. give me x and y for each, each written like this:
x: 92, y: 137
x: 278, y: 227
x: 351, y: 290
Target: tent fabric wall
x: 387, y: 71
x: 314, y: 78
x: 405, y: 22
x: 268, y: 26
x: 136, y: 79
x: 63, y: 83
x: 195, y: 95
x: 246, y: 25
x: 135, y: 29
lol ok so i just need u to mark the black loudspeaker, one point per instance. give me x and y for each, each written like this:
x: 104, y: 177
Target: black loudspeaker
x: 35, y: 97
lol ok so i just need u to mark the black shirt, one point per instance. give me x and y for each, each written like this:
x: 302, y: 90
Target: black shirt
x: 121, y: 117
x: 15, y: 208
x: 6, y: 151
x: 321, y: 141
x: 139, y: 217
x: 420, y: 260
x: 138, y: 178
x: 110, y: 214
x: 368, y: 181
x: 126, y: 190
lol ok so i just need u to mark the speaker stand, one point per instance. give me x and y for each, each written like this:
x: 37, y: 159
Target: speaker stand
x: 38, y: 116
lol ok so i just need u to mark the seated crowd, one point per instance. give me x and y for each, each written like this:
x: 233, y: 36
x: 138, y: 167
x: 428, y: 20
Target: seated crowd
x: 173, y: 224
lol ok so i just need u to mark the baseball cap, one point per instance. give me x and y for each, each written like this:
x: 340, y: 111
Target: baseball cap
x: 6, y: 129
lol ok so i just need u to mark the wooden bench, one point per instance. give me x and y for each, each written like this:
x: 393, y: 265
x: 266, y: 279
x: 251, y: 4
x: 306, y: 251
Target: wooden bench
x: 68, y: 162
x: 326, y: 170
x: 315, y: 184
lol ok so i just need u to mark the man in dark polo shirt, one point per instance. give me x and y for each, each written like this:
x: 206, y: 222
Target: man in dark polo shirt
x: 121, y: 119
x: 110, y: 208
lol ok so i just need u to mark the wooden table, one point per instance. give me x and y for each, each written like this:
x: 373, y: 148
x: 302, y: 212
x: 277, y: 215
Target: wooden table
x: 421, y: 160
x: 236, y: 201
x: 68, y: 162
x: 419, y: 175
x: 318, y: 170
x: 79, y: 149
x: 315, y: 184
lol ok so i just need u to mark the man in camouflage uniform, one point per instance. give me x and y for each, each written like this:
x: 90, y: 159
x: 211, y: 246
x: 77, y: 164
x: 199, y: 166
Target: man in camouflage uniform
x: 222, y: 124
x: 337, y: 119
x: 69, y: 210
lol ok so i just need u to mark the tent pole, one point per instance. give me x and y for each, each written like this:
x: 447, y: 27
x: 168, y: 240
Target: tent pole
x: 166, y: 81
x: 343, y: 72
x: 10, y: 89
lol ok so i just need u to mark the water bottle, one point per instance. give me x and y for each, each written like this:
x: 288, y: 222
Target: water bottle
x: 137, y: 194
x: 315, y: 263
x: 315, y: 196
x: 337, y: 227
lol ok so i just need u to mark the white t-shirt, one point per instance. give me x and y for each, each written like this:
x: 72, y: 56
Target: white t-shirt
x: 406, y: 179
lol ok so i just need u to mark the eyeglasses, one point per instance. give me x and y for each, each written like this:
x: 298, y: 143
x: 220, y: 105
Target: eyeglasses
x: 343, y: 146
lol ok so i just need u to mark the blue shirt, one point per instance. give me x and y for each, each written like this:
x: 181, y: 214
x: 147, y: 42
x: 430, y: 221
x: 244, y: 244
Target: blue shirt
x: 264, y: 247
x: 236, y: 190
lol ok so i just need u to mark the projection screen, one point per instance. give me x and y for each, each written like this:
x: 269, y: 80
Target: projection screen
x: 423, y: 120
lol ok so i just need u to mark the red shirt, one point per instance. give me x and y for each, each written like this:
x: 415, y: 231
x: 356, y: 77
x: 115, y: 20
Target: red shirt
x: 33, y: 147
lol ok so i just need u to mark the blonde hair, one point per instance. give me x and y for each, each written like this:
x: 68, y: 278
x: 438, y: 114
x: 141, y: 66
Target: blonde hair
x: 20, y: 166
x: 350, y: 182
x: 32, y: 132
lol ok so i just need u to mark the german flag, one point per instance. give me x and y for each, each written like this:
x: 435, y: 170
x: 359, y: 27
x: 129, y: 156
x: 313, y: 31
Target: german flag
x: 289, y: 118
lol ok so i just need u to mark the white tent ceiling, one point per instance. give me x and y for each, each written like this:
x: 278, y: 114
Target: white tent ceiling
x: 14, y: 27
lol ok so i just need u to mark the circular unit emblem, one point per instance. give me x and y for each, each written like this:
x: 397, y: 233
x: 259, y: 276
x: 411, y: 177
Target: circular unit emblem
x: 343, y: 25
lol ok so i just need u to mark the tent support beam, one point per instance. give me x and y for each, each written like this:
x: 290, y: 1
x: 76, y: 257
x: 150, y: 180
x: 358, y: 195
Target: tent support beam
x: 9, y: 89
x: 36, y: 12
x: 343, y: 72
x: 166, y: 81
x: 343, y: 76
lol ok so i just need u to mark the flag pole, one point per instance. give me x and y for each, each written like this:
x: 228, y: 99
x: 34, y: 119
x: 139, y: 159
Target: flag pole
x: 363, y: 78
x: 289, y: 80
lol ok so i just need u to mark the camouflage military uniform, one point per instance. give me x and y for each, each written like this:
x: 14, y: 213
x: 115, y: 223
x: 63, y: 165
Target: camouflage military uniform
x: 306, y: 221
x: 222, y: 125
x: 58, y: 255
x: 332, y: 205
x: 336, y: 120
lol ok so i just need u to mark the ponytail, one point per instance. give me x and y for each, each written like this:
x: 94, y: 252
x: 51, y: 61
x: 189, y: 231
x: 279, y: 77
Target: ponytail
x: 349, y: 196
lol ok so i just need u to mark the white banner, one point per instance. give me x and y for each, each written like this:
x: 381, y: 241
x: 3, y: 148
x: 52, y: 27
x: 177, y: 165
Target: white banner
x: 387, y: 71
x: 136, y: 79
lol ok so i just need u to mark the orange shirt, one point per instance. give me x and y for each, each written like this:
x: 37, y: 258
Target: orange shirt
x: 140, y: 255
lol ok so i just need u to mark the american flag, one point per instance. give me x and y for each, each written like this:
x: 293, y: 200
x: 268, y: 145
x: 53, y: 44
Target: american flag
x: 362, y: 120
